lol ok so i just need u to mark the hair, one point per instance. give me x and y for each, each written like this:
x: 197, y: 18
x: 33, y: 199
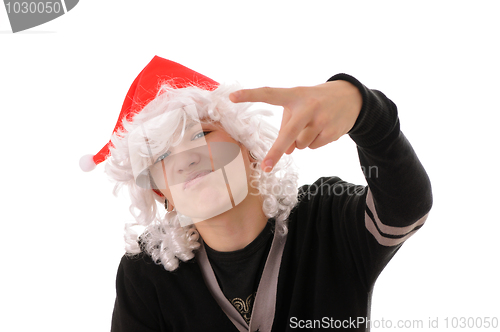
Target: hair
x: 163, y: 238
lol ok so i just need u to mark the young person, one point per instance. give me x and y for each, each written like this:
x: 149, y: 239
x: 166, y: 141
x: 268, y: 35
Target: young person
x: 239, y: 246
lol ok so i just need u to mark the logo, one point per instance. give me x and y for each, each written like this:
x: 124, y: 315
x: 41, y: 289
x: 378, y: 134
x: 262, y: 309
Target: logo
x: 25, y: 15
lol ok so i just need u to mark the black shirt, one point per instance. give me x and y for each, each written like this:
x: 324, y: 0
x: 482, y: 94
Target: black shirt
x: 238, y: 272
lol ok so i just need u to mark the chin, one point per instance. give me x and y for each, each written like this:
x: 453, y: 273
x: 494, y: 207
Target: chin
x: 206, y: 206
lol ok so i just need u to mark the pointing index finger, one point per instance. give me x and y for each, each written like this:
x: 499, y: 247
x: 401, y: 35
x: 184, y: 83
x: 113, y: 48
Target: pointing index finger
x: 273, y: 96
x: 286, y: 137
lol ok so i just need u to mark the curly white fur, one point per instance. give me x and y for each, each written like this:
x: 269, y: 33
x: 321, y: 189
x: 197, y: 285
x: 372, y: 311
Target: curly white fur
x: 164, y: 238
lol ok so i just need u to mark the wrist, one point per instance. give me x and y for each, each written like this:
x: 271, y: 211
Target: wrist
x: 377, y: 117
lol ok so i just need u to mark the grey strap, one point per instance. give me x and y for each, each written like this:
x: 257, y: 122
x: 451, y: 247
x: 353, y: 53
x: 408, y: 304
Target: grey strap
x: 265, y: 300
x: 213, y: 287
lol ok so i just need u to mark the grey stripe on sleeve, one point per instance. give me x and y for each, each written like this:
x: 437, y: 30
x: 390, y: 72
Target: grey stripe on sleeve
x: 384, y: 234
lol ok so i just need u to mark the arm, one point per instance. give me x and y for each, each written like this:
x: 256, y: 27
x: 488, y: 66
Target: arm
x: 312, y: 116
x: 315, y: 116
x: 369, y: 226
x: 399, y: 188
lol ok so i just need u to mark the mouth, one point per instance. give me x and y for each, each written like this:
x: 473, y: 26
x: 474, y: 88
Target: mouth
x: 195, y: 178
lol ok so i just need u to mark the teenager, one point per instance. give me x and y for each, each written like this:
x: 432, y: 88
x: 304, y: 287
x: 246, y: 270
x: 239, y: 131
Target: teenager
x: 230, y: 242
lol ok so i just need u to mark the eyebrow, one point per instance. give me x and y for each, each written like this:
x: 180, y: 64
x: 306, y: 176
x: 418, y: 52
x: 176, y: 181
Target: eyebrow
x: 189, y: 125
x: 192, y: 123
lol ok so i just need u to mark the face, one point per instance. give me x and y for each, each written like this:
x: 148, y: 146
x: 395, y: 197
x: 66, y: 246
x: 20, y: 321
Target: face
x: 205, y: 175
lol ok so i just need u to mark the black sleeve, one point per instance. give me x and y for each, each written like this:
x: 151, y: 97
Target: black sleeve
x: 369, y: 224
x: 131, y: 312
x: 399, y: 185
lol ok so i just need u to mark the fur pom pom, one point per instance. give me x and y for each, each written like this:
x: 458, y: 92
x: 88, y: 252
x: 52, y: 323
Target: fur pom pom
x: 87, y: 163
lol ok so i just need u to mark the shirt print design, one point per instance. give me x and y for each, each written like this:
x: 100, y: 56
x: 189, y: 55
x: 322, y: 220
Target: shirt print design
x: 244, y: 307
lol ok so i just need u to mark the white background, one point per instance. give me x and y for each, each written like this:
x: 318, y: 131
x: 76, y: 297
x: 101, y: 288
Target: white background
x: 61, y: 89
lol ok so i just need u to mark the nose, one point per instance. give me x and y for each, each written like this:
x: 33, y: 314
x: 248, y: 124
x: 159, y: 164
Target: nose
x: 185, y: 161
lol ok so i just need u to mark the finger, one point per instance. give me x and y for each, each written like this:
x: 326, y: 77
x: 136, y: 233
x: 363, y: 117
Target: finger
x: 290, y: 149
x: 320, y: 141
x: 284, y: 120
x: 273, y: 96
x: 286, y: 137
x: 306, y: 137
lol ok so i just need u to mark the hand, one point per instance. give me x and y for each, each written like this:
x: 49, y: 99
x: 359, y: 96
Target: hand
x: 312, y: 116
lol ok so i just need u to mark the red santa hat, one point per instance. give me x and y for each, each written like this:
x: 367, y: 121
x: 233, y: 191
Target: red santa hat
x: 144, y: 89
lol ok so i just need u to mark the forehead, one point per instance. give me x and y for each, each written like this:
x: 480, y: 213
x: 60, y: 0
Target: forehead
x: 191, y: 124
x: 186, y: 142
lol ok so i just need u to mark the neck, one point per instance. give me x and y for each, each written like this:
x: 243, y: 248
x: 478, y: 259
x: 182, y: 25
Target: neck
x: 235, y: 228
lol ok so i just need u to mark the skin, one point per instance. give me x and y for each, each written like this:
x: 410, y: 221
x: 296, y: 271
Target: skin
x: 235, y: 228
x: 312, y: 117
x: 192, y: 155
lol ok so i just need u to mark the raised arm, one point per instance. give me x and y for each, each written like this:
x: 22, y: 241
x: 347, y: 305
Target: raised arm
x: 365, y: 225
x: 399, y: 188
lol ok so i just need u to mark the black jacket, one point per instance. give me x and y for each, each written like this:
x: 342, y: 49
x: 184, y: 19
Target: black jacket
x: 336, y: 247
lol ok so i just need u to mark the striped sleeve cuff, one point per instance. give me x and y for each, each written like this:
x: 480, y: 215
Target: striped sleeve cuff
x: 384, y: 234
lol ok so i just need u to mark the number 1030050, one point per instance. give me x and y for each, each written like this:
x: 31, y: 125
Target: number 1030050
x: 471, y: 322
x: 33, y: 7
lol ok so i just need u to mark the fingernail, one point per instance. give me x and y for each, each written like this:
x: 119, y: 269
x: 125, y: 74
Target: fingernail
x: 268, y: 165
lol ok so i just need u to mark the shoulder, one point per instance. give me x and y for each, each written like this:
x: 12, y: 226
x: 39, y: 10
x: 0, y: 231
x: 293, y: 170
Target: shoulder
x: 141, y: 268
x: 324, y: 183
x: 328, y: 192
x: 329, y: 212
x: 138, y: 266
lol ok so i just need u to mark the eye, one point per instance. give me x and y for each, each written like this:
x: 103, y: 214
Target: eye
x: 199, y: 135
x: 163, y: 156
